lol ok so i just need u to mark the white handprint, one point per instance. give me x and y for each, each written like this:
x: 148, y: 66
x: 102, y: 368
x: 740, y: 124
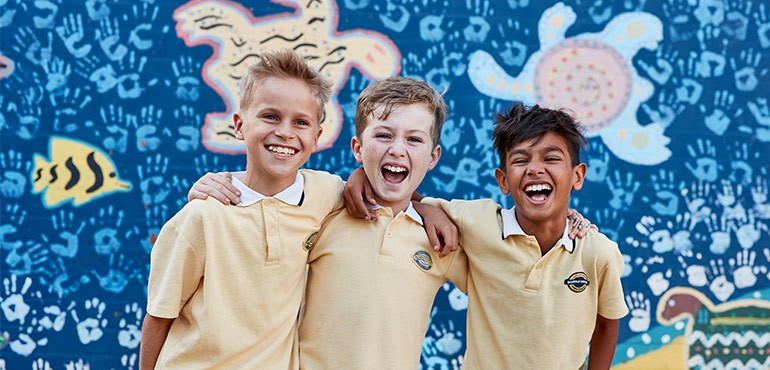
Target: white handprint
x: 640, y: 312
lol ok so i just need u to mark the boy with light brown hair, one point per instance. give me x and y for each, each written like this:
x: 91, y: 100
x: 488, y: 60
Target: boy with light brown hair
x: 226, y: 282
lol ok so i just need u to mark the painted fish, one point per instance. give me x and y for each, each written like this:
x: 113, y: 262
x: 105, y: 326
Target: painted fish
x: 77, y: 172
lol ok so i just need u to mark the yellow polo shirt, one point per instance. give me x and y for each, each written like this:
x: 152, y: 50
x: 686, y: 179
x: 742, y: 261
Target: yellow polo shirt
x: 527, y: 311
x: 370, y: 291
x: 232, y: 278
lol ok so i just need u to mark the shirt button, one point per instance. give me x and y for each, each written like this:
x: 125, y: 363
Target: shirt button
x: 390, y: 234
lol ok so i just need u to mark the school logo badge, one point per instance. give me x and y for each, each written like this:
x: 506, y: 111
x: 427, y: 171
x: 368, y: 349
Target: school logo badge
x: 310, y: 241
x: 577, y: 282
x: 422, y: 260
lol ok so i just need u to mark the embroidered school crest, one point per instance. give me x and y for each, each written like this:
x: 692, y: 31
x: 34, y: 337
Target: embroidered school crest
x: 577, y: 282
x: 310, y: 241
x: 422, y: 260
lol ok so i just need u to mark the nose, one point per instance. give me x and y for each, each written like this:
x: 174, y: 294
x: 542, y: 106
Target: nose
x: 535, y: 168
x: 397, y: 149
x: 284, y: 129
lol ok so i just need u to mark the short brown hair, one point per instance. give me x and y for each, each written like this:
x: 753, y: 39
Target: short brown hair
x: 283, y: 63
x: 521, y: 124
x: 398, y: 91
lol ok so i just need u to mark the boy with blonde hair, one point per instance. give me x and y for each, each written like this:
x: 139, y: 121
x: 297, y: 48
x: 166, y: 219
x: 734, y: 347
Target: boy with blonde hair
x: 226, y: 282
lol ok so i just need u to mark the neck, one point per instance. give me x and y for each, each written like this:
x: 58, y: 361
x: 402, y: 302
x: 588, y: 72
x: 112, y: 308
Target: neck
x: 396, y: 207
x: 264, y: 185
x: 546, y: 232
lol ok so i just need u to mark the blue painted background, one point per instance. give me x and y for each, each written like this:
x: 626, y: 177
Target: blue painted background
x: 114, y: 76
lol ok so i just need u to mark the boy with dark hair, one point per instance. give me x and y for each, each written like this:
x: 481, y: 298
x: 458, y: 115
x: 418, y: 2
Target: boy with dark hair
x: 225, y: 282
x: 560, y: 295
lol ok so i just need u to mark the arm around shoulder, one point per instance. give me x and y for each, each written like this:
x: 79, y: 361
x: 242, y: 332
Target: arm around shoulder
x: 154, y: 333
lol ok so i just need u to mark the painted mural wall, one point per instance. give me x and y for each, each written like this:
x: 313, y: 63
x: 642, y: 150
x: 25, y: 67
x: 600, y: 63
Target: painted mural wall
x: 111, y: 109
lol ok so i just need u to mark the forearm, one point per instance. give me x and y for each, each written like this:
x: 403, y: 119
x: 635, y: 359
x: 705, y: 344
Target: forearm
x: 603, y: 343
x: 154, y: 333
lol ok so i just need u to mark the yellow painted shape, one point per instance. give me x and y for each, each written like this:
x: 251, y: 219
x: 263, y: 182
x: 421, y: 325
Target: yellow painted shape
x: 636, y: 29
x: 668, y: 357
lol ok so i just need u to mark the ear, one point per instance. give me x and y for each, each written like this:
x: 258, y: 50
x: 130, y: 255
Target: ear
x: 502, y: 181
x: 238, y: 125
x: 318, y: 137
x: 355, y: 146
x: 578, y: 176
x: 434, y: 157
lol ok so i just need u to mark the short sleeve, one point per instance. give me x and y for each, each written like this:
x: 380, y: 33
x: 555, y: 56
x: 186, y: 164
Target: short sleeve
x: 612, y: 304
x: 176, y: 263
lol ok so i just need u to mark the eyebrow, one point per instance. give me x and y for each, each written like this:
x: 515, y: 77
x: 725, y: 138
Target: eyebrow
x: 527, y: 151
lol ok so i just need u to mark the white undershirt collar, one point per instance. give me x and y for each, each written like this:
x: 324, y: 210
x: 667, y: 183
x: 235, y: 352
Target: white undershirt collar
x: 293, y: 195
x: 511, y: 227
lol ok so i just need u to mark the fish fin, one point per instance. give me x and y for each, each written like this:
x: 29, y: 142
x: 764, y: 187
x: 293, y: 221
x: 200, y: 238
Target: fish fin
x: 39, y: 173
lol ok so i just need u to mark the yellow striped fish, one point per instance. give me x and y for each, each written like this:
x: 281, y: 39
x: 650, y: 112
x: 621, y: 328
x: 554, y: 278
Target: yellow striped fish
x: 77, y: 172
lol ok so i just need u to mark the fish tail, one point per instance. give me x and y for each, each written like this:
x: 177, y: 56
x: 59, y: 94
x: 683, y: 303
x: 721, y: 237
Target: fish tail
x: 38, y: 174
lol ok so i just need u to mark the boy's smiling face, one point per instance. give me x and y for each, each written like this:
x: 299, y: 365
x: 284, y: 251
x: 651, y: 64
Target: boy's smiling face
x: 280, y: 129
x: 540, y: 176
x: 397, y: 152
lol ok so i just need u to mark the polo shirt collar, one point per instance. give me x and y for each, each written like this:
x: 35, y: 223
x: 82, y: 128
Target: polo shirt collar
x: 410, y: 212
x: 293, y: 195
x: 511, y: 227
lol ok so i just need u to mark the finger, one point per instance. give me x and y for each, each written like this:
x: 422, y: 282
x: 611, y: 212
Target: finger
x: 433, y: 239
x: 449, y: 236
x: 219, y: 195
x: 355, y: 206
x: 194, y: 194
x: 372, y: 215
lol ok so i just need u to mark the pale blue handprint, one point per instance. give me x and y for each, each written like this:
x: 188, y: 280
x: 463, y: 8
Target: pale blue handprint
x: 155, y: 216
x: 431, y: 28
x: 759, y: 194
x: 66, y: 229
x: 27, y: 43
x: 67, y: 106
x: 761, y: 112
x: 143, y: 16
x: 663, y: 67
x: 131, y: 68
x: 117, y: 124
x: 719, y: 233
x: 90, y: 329
x: 736, y: 22
x: 448, y: 340
x: 154, y: 183
x: 57, y: 72
x: 689, y: 88
x: 476, y: 30
x: 681, y: 234
x: 482, y: 131
x: 71, y: 32
x: 622, y: 190
x: 467, y: 171
x: 207, y: 163
x: 598, y: 162
x: 743, y: 269
x: 188, y: 84
x: 762, y: 20
x: 7, y: 13
x: 12, y: 301
x: 728, y: 198
x: 666, y: 193
x: 14, y: 179
x: 107, y: 223
x: 109, y: 39
x: 394, y: 17
x: 189, y: 128
x: 722, y: 113
x: 28, y: 112
x: 120, y: 272
x: 696, y: 200
x: 681, y: 21
x: 705, y: 167
x: 667, y: 111
x: 451, y: 133
x: 453, y: 63
x: 749, y: 231
x: 746, y: 69
x: 741, y: 169
x: 610, y: 222
x: 50, y: 9
x: 103, y: 76
x: 710, y: 12
x: 356, y: 4
x: 14, y: 216
x: 720, y: 286
x: 149, y: 120
x: 657, y: 232
x: 639, y: 307
x: 516, y: 4
x: 97, y: 9
x: 514, y: 53
x: 711, y: 63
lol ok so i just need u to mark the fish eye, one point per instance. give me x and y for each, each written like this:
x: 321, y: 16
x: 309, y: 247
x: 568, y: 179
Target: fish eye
x: 112, y: 174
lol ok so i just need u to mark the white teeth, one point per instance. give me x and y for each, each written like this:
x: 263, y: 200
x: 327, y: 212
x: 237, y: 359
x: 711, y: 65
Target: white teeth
x: 396, y: 169
x: 281, y: 150
x: 538, y: 187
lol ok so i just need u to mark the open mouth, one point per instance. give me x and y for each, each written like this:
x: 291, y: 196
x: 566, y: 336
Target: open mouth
x: 393, y: 173
x: 281, y: 151
x: 538, y: 192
